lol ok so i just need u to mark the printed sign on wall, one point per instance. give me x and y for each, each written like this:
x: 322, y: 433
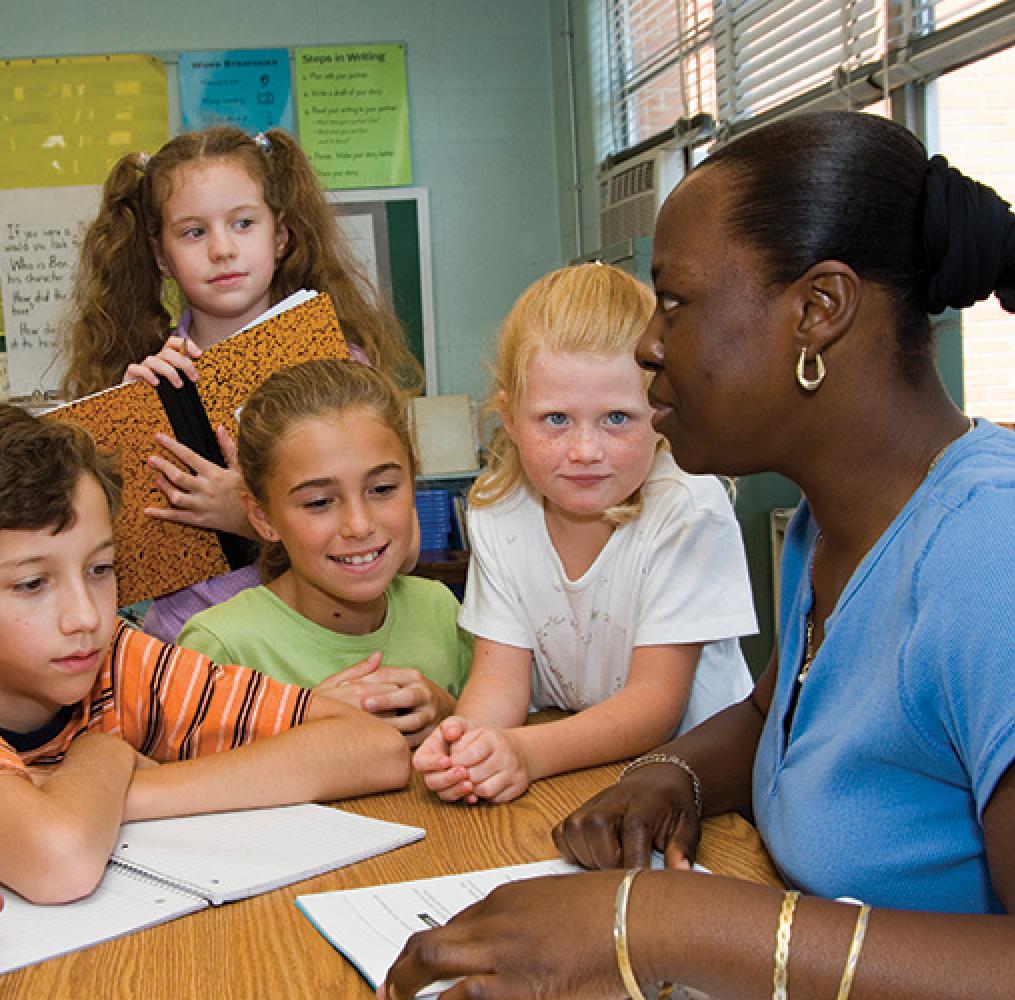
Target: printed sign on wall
x: 353, y: 111
x: 251, y: 88
x: 67, y: 121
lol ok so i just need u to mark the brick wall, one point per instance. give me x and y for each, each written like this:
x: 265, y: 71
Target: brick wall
x: 976, y: 125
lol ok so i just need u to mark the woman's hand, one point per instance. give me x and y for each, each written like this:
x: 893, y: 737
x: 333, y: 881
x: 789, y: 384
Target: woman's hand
x: 177, y: 355
x: 201, y: 493
x: 653, y: 807
x: 539, y: 937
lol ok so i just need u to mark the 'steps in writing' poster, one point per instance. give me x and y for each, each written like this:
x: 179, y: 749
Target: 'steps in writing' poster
x: 40, y: 232
x: 353, y: 113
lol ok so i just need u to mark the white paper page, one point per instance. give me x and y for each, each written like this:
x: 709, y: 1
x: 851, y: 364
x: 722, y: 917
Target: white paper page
x: 370, y: 926
x: 227, y: 856
x: 122, y: 903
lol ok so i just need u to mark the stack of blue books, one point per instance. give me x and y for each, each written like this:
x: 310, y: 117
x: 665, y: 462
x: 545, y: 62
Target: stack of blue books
x: 434, y: 509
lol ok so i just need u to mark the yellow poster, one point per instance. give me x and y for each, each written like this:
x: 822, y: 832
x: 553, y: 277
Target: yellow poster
x: 66, y: 121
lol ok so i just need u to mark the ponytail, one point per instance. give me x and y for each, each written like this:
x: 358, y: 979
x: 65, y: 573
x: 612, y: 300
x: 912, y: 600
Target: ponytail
x: 318, y: 256
x: 119, y: 315
x: 968, y: 239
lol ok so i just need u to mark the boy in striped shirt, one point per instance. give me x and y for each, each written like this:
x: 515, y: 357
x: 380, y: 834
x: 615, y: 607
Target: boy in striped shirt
x: 99, y: 723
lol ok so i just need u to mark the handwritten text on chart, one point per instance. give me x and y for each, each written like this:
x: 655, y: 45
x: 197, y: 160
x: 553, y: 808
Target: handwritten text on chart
x: 38, y: 265
x: 40, y: 235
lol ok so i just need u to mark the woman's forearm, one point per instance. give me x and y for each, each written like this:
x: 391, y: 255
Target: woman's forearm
x: 719, y: 935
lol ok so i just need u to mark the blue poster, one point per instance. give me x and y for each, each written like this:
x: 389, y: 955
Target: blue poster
x: 246, y: 87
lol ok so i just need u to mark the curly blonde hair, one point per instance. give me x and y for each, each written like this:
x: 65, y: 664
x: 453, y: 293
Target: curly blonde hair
x: 120, y: 300
x: 594, y: 308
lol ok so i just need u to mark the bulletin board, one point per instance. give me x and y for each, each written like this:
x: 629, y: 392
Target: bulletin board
x: 389, y: 231
x: 65, y: 121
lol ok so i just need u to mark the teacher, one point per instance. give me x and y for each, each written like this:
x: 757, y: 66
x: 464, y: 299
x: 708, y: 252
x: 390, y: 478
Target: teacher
x: 794, y: 272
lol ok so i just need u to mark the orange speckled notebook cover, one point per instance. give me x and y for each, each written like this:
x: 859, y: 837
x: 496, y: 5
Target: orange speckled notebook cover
x: 156, y: 557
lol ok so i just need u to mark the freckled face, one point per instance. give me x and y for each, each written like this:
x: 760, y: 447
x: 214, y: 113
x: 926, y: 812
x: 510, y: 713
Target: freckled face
x: 717, y: 340
x: 583, y: 430
x: 220, y: 241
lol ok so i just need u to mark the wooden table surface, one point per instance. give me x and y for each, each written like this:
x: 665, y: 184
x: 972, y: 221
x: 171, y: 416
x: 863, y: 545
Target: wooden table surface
x: 264, y: 948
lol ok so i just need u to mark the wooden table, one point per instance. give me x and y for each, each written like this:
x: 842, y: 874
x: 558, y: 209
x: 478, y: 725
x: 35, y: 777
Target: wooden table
x: 264, y: 948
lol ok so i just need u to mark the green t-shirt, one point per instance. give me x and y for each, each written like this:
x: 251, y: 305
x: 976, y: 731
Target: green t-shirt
x: 257, y: 629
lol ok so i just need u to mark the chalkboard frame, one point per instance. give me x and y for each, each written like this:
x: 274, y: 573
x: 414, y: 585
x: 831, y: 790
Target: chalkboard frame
x: 400, y: 219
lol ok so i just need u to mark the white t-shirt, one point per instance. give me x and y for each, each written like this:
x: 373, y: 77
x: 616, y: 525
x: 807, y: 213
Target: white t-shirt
x: 676, y: 574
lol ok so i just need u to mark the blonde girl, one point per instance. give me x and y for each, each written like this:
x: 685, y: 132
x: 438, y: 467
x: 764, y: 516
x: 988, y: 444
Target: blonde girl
x: 604, y: 580
x: 325, y: 452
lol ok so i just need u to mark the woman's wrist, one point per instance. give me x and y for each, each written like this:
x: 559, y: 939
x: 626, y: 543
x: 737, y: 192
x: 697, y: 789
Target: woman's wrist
x: 658, y: 757
x: 652, y: 955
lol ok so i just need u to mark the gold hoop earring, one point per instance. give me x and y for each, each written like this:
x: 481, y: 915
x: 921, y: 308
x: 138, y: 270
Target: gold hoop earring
x: 810, y: 384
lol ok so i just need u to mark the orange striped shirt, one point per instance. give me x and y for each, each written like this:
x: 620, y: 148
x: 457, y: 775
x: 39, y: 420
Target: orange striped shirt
x: 170, y: 704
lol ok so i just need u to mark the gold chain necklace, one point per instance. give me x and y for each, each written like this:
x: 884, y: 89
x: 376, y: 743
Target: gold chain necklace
x: 809, y: 651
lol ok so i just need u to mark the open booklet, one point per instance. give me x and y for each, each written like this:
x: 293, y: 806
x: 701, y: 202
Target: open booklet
x: 163, y: 869
x: 370, y: 926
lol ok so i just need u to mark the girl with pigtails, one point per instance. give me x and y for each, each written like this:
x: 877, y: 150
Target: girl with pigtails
x: 238, y: 223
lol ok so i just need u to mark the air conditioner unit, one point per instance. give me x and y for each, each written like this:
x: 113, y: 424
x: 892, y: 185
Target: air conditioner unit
x: 632, y: 191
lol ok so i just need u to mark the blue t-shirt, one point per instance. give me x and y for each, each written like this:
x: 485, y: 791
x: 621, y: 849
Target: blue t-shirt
x: 906, y: 722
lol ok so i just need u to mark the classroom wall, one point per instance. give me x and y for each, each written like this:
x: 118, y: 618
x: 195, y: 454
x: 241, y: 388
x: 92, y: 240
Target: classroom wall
x: 484, y: 136
x: 583, y: 204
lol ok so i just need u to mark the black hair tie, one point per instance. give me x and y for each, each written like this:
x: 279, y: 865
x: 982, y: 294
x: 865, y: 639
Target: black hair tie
x: 968, y: 240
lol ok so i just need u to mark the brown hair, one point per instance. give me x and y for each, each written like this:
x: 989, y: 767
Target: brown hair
x: 41, y: 463
x: 301, y: 392
x: 120, y: 298
x: 591, y: 308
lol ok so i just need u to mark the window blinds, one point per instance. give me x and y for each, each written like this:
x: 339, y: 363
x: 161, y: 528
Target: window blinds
x: 745, y: 61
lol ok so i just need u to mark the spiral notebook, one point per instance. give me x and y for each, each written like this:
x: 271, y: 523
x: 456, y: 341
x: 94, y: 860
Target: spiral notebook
x: 164, y: 869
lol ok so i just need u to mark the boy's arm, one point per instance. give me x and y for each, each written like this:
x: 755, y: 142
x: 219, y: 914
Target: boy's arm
x: 55, y: 839
x: 337, y: 752
x: 639, y: 716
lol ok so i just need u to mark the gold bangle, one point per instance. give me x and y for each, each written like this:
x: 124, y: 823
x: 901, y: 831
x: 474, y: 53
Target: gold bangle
x: 620, y: 941
x: 668, y: 758
x: 849, y: 970
x: 620, y: 935
x: 780, y: 971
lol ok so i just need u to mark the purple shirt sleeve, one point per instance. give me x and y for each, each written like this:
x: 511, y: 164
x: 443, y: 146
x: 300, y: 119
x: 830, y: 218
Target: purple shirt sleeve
x: 167, y: 615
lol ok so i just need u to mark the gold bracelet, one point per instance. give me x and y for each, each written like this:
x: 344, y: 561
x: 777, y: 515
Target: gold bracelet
x: 849, y: 971
x: 620, y: 935
x: 668, y: 758
x: 780, y: 971
x: 620, y: 941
